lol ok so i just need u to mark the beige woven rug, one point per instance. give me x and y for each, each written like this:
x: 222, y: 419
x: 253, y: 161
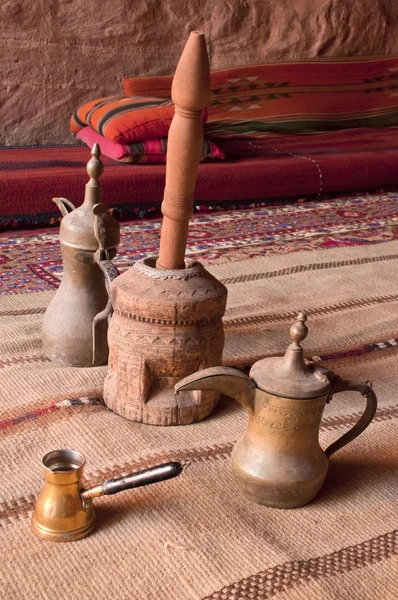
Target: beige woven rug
x: 196, y: 537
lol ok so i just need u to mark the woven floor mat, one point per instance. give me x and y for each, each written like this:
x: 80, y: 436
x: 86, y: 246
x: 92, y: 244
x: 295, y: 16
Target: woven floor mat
x: 196, y: 537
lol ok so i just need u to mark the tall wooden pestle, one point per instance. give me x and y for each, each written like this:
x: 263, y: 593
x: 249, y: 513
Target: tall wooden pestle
x: 190, y: 93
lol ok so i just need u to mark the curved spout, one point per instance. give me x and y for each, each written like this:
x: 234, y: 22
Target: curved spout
x: 64, y: 205
x: 225, y: 380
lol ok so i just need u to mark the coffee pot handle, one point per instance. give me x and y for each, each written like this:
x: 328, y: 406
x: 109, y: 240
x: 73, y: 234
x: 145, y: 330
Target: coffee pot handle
x: 109, y: 270
x: 341, y: 385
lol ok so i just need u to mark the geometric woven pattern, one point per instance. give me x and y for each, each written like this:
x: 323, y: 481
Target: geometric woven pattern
x: 32, y: 261
x: 305, y: 96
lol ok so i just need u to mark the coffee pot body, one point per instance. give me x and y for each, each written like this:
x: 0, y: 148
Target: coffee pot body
x: 61, y: 513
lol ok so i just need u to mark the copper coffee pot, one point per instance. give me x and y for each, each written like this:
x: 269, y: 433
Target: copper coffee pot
x: 75, y: 324
x: 279, y: 462
x: 63, y: 511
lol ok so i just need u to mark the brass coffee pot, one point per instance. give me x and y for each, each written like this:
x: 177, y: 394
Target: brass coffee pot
x: 279, y: 462
x: 75, y: 324
x: 63, y: 511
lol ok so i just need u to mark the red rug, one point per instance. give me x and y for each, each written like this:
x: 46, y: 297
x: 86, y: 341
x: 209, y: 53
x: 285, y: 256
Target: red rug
x: 258, y: 171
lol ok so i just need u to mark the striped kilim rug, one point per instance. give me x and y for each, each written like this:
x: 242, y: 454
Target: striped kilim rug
x: 196, y: 537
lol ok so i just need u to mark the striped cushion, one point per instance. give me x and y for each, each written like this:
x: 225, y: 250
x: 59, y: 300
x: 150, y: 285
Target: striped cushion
x: 159, y: 86
x: 148, y: 151
x: 125, y: 120
x: 294, y: 96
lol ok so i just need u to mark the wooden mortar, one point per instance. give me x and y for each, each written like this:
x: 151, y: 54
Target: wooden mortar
x: 167, y: 320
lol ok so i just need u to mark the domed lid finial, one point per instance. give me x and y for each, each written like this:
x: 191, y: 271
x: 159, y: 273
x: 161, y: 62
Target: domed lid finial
x: 95, y: 167
x: 290, y: 376
x: 299, y: 330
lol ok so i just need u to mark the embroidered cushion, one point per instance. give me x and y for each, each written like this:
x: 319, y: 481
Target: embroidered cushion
x: 306, y: 96
x: 148, y: 151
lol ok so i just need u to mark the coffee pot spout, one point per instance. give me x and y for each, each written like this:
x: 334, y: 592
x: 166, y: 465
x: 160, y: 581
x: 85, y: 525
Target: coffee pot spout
x: 65, y: 206
x: 225, y: 380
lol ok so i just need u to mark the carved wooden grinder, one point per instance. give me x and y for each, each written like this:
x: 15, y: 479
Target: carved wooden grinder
x: 75, y: 323
x: 167, y: 320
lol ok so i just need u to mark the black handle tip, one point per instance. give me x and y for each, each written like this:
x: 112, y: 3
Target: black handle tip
x: 146, y: 477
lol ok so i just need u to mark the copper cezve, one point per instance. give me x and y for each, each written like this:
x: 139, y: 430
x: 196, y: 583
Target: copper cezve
x: 63, y: 511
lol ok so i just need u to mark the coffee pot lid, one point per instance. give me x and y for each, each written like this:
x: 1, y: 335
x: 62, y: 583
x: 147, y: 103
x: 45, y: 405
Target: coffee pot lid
x: 77, y: 227
x: 290, y: 376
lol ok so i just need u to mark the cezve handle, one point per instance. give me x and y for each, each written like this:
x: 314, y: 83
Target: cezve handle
x: 340, y: 385
x: 134, y: 480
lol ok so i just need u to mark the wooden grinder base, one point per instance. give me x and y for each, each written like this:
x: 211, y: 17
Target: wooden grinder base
x: 166, y: 325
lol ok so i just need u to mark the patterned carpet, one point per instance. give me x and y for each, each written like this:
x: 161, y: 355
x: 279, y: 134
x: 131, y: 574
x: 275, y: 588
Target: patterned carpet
x: 196, y: 537
x: 31, y: 262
